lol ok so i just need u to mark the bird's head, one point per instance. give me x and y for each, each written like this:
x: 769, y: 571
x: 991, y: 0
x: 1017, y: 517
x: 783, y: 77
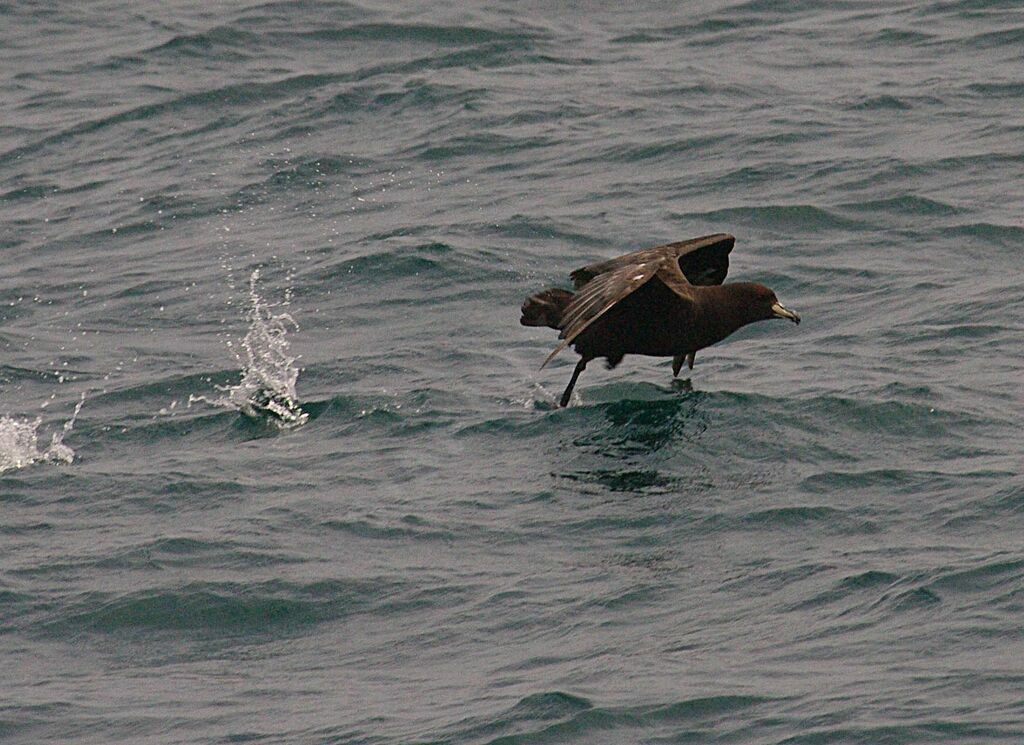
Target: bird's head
x: 762, y: 304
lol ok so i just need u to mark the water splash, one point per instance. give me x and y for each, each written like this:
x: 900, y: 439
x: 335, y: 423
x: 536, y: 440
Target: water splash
x: 19, y: 442
x: 269, y: 372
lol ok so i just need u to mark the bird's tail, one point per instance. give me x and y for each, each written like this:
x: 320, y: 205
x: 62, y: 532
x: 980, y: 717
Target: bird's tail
x: 545, y: 308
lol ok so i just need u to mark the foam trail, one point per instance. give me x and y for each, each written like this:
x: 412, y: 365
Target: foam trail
x: 269, y: 372
x: 19, y: 442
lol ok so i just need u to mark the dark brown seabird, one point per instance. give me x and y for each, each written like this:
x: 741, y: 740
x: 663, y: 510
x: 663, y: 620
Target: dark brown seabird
x: 667, y: 301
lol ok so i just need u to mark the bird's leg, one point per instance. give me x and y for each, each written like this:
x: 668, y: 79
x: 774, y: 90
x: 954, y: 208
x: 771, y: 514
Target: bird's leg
x: 679, y: 359
x: 580, y: 367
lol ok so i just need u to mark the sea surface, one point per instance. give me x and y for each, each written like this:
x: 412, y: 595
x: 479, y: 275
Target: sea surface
x: 277, y: 461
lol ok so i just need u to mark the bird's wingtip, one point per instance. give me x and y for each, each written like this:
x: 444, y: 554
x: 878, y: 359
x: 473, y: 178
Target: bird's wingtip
x: 551, y: 356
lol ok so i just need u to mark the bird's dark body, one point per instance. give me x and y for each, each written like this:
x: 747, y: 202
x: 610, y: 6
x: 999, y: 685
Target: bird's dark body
x: 666, y: 301
x: 652, y: 321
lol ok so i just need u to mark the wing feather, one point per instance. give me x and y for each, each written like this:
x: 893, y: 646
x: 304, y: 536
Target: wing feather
x: 703, y: 266
x: 672, y: 277
x: 606, y: 290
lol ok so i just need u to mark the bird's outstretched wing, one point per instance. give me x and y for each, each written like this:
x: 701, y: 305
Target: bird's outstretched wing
x: 607, y: 289
x: 703, y: 261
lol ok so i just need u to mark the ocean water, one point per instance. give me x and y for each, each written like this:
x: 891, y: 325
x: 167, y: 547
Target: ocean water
x: 277, y: 463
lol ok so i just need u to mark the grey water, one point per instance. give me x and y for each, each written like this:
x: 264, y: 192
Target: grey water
x: 278, y: 465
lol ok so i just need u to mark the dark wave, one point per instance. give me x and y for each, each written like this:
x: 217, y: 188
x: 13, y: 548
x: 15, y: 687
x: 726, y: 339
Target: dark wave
x: 1006, y: 235
x: 561, y: 716
x: 879, y: 103
x: 699, y: 29
x: 369, y: 100
x: 907, y: 204
x: 217, y: 608
x: 165, y: 553
x: 789, y: 217
x: 33, y: 191
x: 663, y: 150
x: 222, y: 42
x: 888, y: 37
x: 539, y: 227
x: 444, y: 35
x: 229, y: 95
x: 1010, y: 39
x: 408, y: 528
x: 228, y: 608
x: 474, y: 145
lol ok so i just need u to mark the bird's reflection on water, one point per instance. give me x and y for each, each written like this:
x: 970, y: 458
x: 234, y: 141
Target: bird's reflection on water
x: 642, y: 427
x: 682, y: 385
x: 636, y: 434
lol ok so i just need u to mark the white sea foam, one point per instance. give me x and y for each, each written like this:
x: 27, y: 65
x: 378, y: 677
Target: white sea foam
x: 19, y: 442
x: 269, y: 371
